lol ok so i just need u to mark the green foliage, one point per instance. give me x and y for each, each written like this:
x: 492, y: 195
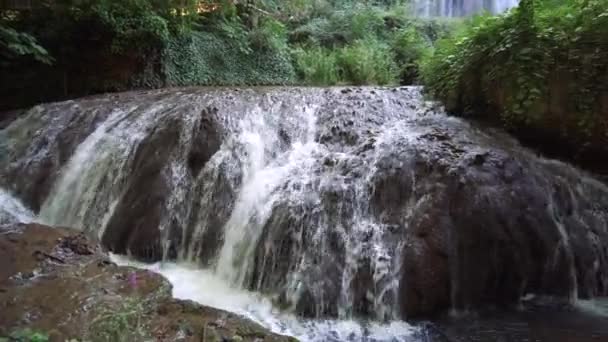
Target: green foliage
x: 229, y: 55
x: 127, y: 25
x: 271, y: 35
x: 367, y: 61
x: 14, y: 45
x: 132, y: 23
x: 410, y: 48
x: 543, y: 65
x: 124, y: 324
x: 139, y: 24
x: 342, y: 27
x: 364, y: 44
x: 26, y: 335
x: 317, y: 66
x: 115, y: 45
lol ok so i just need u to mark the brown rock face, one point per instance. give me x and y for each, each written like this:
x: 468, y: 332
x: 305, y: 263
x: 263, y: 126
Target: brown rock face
x: 58, y: 282
x: 135, y: 224
x: 488, y: 228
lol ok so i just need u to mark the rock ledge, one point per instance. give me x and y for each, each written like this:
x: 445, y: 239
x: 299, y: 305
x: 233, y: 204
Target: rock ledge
x: 59, y: 282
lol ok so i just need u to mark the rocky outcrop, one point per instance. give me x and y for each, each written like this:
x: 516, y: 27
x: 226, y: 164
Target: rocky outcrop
x: 58, y: 282
x: 134, y: 224
x: 473, y: 223
x: 334, y: 202
x: 489, y: 226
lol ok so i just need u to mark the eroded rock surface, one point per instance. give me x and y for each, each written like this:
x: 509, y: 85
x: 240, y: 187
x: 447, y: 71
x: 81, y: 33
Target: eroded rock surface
x: 59, y: 282
x: 340, y: 202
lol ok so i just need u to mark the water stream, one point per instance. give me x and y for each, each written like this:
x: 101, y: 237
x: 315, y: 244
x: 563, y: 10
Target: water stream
x: 340, y: 206
x: 12, y: 210
x: 206, y: 287
x: 459, y: 8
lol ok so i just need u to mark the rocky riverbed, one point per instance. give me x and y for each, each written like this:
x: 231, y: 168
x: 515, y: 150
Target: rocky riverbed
x: 59, y: 283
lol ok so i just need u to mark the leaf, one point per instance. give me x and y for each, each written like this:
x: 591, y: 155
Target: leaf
x: 525, y: 51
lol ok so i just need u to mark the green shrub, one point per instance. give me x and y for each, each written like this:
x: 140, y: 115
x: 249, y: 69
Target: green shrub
x: 367, y: 61
x: 372, y: 44
x: 131, y: 23
x: 542, y: 66
x: 271, y: 35
x: 227, y: 54
x: 14, y: 45
x: 342, y: 27
x: 410, y: 48
x: 26, y: 335
x: 316, y: 65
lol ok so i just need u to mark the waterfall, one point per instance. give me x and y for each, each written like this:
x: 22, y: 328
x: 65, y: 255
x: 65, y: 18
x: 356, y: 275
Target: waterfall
x: 458, y: 8
x: 342, y: 203
x: 11, y: 209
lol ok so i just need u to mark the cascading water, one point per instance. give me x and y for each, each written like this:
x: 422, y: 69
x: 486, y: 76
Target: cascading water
x: 11, y: 210
x: 331, y: 203
x: 458, y: 8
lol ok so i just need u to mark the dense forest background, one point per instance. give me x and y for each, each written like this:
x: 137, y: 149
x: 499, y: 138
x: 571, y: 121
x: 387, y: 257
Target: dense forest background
x: 540, y: 70
x: 111, y: 45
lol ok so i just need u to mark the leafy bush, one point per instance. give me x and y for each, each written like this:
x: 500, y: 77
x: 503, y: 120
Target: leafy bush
x: 115, y: 45
x: 410, y: 48
x: 364, y: 62
x: 227, y: 54
x: 127, y: 24
x: 367, y: 61
x: 316, y: 65
x: 131, y: 23
x: 15, y: 44
x: 342, y: 27
x: 271, y: 35
x: 26, y: 335
x: 542, y: 66
x: 363, y: 44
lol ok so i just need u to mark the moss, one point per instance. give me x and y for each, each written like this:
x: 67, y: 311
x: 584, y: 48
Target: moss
x: 212, y: 58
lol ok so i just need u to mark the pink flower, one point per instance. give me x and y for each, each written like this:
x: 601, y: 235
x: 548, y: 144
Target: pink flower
x: 133, y: 279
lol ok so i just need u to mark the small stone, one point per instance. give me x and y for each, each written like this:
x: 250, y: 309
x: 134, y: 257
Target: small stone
x: 479, y: 159
x: 104, y: 263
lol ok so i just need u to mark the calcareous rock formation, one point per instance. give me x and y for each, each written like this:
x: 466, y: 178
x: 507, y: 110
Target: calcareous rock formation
x: 339, y: 202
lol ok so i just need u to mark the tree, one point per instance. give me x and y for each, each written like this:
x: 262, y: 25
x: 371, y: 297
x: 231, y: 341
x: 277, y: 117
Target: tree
x: 15, y: 45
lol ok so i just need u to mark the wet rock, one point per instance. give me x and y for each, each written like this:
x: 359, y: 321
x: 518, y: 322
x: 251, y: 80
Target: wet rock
x: 206, y: 141
x: 383, y: 207
x: 78, y: 244
x: 470, y: 221
x: 72, y: 300
x: 134, y: 225
x: 487, y: 233
x: 47, y: 148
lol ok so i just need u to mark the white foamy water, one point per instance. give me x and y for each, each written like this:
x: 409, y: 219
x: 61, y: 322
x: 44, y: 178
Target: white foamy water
x: 596, y: 306
x: 207, y: 288
x: 11, y: 209
x: 454, y: 8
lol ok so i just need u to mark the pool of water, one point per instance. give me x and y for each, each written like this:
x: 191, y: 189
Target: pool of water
x: 207, y: 288
x: 538, y: 321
